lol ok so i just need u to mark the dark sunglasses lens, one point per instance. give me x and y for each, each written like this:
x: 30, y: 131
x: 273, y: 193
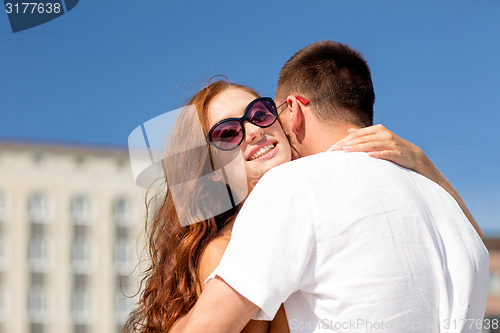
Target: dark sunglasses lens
x: 262, y: 113
x: 227, y: 135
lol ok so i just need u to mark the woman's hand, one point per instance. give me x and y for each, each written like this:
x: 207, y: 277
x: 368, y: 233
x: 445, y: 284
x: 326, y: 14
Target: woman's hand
x: 381, y: 143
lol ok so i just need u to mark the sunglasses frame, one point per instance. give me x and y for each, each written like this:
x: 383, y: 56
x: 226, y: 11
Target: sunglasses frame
x: 242, y: 120
x: 300, y: 99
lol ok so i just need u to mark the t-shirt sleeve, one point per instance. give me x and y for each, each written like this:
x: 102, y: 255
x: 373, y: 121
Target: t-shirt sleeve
x: 272, y: 243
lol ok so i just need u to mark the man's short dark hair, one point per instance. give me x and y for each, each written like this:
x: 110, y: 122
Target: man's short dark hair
x: 335, y: 78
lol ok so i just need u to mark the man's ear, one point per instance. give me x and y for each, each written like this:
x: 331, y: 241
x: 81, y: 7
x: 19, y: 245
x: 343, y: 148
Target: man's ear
x: 296, y: 116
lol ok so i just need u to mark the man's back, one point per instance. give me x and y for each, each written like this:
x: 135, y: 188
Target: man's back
x: 357, y: 244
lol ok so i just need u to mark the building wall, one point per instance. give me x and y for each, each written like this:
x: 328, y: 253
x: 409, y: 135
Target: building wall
x: 493, y: 302
x: 69, y: 220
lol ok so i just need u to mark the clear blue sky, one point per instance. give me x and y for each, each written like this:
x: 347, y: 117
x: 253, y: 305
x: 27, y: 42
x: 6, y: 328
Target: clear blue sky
x: 94, y: 74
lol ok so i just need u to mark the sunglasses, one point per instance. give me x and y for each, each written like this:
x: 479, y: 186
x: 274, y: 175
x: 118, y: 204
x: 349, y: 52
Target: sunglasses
x: 229, y: 133
x: 301, y: 100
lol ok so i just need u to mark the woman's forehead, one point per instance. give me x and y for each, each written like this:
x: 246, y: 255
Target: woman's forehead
x: 231, y: 103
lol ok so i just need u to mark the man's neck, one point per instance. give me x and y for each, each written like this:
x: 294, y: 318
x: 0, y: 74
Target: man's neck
x: 325, y: 136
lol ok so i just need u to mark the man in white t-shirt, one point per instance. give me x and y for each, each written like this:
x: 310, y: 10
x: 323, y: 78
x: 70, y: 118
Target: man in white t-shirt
x: 348, y: 243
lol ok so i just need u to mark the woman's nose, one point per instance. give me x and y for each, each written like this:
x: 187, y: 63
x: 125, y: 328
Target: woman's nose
x: 253, y: 133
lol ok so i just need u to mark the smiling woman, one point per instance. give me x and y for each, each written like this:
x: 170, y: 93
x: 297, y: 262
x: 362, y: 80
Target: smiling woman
x: 236, y: 119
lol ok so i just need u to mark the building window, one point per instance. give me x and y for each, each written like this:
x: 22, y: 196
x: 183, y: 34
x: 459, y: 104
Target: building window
x: 38, y: 158
x: 38, y: 208
x: 122, y: 213
x: 79, y: 162
x: 80, y: 210
x: 80, y: 328
x: 124, y: 254
x: 80, y: 305
x: 37, y: 328
x: 4, y: 253
x: 3, y: 207
x: 494, y: 283
x: 39, y: 254
x: 123, y: 306
x: 37, y: 304
x: 81, y: 255
x: 121, y: 163
x: 4, y: 303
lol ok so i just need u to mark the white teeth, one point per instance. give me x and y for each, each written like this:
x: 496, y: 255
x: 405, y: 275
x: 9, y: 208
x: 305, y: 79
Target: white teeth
x: 261, y: 152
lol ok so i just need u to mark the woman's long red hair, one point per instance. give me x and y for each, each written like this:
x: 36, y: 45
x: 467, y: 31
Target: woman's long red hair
x: 170, y: 283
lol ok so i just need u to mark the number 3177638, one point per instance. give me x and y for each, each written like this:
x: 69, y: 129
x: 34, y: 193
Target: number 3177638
x: 33, y: 8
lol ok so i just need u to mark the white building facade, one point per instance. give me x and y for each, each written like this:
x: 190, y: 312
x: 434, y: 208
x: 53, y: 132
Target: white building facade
x: 70, y: 217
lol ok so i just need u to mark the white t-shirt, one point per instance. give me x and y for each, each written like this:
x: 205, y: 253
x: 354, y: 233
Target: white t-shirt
x: 352, y: 244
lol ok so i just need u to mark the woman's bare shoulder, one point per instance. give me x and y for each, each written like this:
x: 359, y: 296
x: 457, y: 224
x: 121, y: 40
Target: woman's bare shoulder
x: 211, y: 257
